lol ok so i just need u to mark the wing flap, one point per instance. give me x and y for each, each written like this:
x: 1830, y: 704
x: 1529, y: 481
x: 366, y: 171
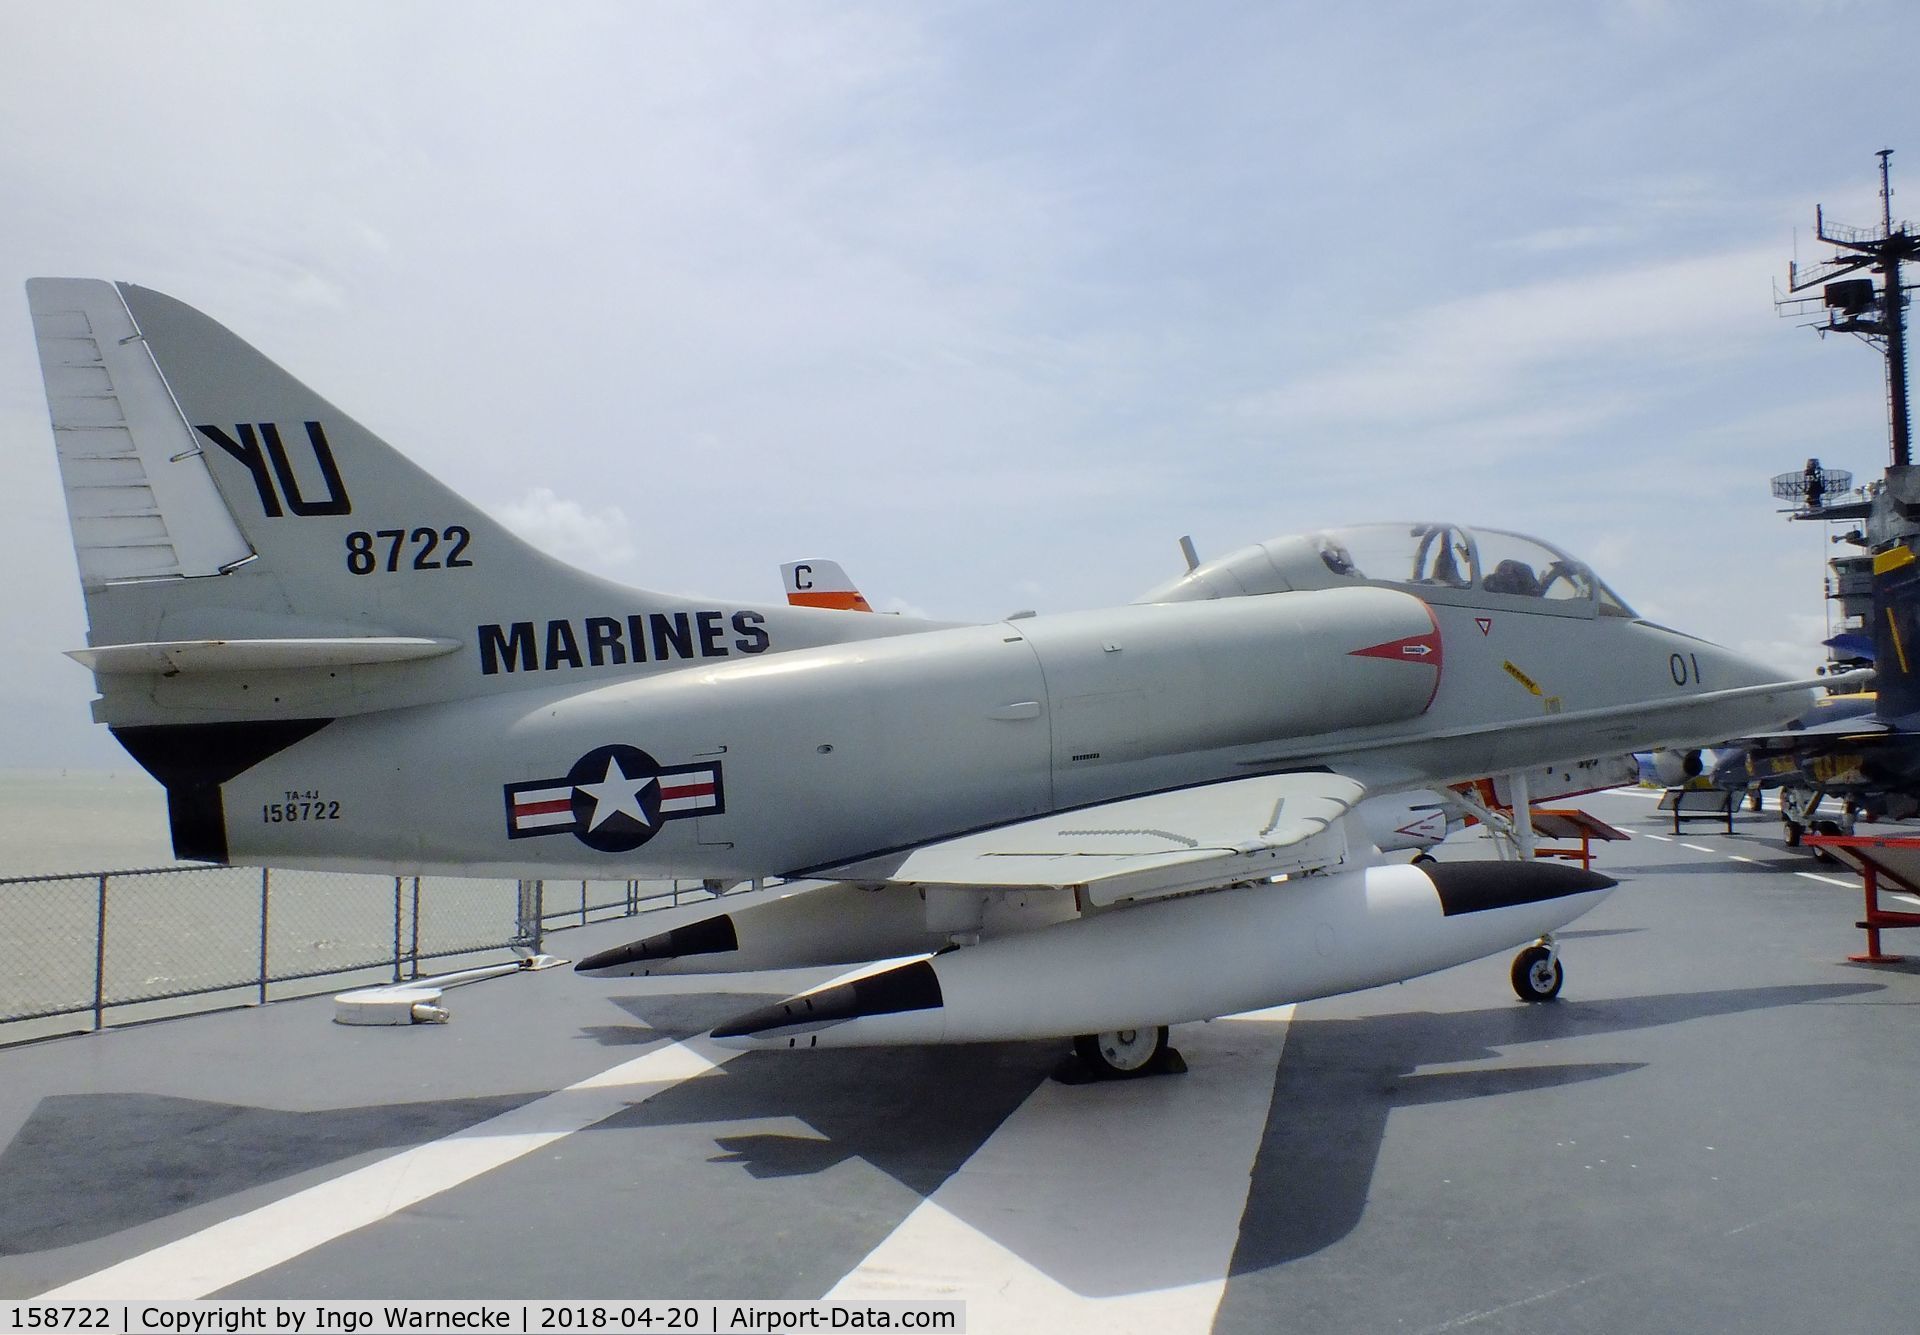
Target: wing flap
x: 1143, y: 847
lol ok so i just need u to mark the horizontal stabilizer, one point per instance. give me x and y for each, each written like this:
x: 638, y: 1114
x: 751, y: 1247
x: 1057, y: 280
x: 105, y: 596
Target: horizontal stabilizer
x: 171, y: 656
x: 1144, y: 847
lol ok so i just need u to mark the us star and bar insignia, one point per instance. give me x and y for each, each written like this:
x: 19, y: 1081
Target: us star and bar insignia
x: 614, y: 799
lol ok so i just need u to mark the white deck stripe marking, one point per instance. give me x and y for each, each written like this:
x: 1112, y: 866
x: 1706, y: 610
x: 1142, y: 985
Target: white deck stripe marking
x: 1735, y: 857
x: 225, y: 1253
x: 1700, y: 848
x: 1901, y: 895
x: 1074, y: 1217
x: 1663, y: 838
x: 1830, y: 880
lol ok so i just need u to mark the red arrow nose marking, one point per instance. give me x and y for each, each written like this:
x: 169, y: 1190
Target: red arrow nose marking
x: 1424, y: 649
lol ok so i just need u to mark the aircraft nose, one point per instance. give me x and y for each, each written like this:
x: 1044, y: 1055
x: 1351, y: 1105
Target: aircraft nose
x: 1717, y: 668
x: 1728, y: 687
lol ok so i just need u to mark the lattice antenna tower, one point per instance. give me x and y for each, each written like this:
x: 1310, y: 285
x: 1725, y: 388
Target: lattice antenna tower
x: 1872, y: 308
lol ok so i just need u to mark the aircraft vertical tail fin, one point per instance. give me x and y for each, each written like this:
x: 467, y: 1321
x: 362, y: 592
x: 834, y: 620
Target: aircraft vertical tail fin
x: 1896, y: 632
x: 186, y: 455
x: 249, y: 552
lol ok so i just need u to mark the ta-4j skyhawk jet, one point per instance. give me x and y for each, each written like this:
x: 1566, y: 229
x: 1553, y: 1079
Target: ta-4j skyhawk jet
x: 1098, y: 823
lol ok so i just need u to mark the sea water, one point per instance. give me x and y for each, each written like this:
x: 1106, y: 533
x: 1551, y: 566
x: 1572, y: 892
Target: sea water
x: 206, y: 928
x: 81, y: 821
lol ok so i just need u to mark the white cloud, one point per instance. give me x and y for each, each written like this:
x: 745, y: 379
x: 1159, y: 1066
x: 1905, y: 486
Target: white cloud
x: 597, y: 539
x: 977, y: 297
x: 895, y: 604
x: 1795, y: 646
x: 1554, y: 240
x: 1557, y: 343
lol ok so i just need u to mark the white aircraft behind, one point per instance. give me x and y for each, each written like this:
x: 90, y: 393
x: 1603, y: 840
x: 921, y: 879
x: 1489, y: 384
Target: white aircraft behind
x: 332, y: 661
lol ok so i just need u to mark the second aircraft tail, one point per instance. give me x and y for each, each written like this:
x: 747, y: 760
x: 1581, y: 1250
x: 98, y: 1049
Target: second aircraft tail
x: 1896, y: 634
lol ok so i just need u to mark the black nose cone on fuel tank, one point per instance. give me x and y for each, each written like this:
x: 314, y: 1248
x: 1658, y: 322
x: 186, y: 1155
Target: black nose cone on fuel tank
x: 1475, y: 887
x: 709, y: 936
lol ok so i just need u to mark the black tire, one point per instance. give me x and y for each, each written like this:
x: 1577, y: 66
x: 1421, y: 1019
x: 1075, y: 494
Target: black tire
x: 1537, y: 974
x: 1793, y: 833
x: 1825, y: 827
x: 1122, y: 1054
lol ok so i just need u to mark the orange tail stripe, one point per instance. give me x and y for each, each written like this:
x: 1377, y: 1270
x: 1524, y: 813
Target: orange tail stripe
x: 848, y: 600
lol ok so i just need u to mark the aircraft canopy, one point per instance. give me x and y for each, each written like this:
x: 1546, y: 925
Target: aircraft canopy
x: 1441, y: 562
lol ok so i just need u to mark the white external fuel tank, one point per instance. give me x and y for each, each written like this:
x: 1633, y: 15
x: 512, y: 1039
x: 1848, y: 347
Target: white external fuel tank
x: 807, y: 923
x: 1190, y: 959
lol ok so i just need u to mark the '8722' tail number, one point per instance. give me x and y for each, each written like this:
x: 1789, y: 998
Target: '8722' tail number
x: 389, y: 549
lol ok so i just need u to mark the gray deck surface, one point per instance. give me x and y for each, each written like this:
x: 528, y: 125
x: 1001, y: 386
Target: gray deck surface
x: 1713, y: 1130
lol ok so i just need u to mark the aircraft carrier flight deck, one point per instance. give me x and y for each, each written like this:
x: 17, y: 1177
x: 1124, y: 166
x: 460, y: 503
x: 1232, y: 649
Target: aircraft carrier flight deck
x: 1711, y: 1130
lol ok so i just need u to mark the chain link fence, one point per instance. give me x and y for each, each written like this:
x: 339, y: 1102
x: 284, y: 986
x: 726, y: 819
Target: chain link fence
x: 113, y: 947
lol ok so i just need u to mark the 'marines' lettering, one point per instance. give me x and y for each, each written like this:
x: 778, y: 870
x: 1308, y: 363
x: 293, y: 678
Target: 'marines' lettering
x: 657, y: 637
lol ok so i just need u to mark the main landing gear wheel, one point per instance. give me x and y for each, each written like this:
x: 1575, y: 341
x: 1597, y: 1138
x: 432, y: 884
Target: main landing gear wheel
x: 1121, y: 1054
x: 1537, y: 974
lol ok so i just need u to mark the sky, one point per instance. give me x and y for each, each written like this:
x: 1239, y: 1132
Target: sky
x: 990, y: 302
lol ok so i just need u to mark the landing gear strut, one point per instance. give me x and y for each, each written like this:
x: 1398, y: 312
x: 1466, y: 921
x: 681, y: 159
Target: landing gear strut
x: 1537, y: 974
x: 1798, y: 807
x: 1120, y: 1054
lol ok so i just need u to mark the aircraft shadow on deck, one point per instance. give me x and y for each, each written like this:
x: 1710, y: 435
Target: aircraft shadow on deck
x: 84, y: 1166
x: 1341, y: 1078
x: 918, y: 1114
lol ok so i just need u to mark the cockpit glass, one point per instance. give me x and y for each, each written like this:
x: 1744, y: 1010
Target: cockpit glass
x: 1437, y: 557
x: 1527, y: 569
x: 1400, y: 553
x: 1611, y: 604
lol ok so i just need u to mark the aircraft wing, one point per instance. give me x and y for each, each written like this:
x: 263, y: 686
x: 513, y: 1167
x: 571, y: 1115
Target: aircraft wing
x: 1817, y: 734
x: 1141, y: 847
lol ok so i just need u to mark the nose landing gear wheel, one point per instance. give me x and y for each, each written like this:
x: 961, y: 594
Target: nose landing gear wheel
x: 1825, y: 827
x: 1122, y: 1054
x: 1537, y: 974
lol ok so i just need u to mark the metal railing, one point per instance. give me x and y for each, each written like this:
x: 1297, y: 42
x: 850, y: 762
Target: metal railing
x: 173, y: 940
x: 598, y: 901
